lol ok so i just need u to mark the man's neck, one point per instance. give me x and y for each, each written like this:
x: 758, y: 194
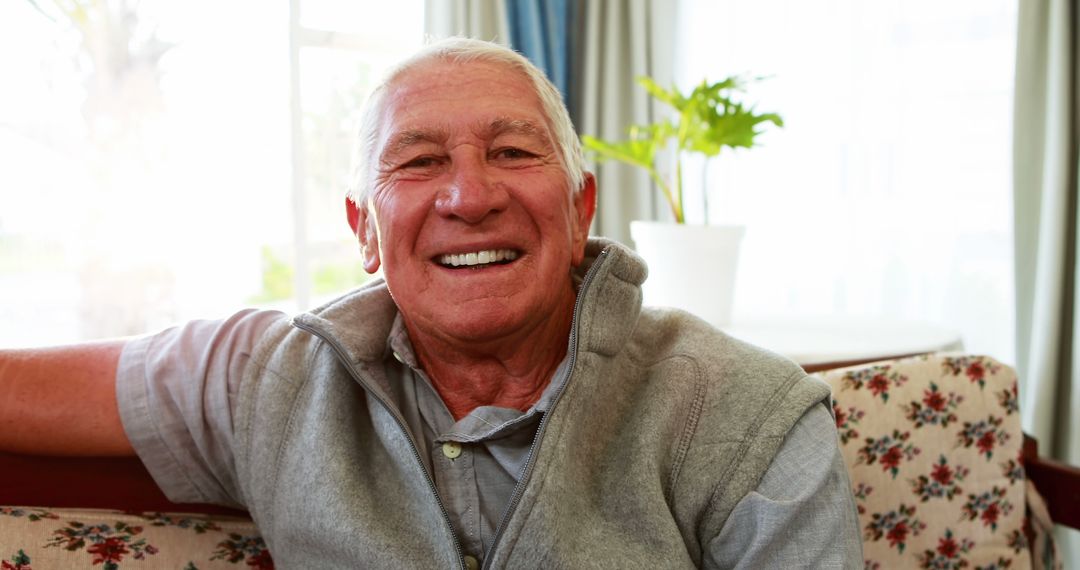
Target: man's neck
x: 509, y: 374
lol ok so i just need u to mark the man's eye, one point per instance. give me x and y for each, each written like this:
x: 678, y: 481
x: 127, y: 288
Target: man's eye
x: 513, y: 153
x: 420, y: 162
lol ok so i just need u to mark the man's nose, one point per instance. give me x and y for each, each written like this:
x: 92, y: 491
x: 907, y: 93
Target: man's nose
x: 473, y: 193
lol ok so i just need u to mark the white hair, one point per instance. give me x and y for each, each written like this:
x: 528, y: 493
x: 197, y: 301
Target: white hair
x: 458, y: 50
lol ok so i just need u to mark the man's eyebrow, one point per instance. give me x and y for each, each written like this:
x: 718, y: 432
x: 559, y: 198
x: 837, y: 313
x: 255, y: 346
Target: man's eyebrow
x: 504, y: 125
x: 404, y: 139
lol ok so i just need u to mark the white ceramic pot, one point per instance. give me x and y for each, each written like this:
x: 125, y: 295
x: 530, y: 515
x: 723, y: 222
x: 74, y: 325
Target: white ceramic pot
x: 691, y: 267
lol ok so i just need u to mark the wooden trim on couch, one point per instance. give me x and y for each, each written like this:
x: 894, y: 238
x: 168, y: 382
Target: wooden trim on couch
x: 1057, y: 482
x: 120, y: 483
x: 823, y: 366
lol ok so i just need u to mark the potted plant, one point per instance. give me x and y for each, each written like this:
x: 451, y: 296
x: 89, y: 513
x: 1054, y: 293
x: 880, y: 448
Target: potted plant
x: 705, y: 121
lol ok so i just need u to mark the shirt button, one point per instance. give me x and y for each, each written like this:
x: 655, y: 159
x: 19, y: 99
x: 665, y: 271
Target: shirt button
x: 451, y: 450
x: 471, y: 563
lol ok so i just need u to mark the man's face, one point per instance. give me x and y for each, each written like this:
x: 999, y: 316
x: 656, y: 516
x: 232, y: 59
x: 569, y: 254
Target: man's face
x: 471, y: 217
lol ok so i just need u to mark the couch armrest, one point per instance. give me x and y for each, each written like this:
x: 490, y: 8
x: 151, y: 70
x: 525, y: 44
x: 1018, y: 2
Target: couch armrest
x: 121, y: 483
x: 1057, y: 482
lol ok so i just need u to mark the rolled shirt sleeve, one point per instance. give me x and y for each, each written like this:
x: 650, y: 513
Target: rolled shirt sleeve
x: 177, y: 391
x: 802, y: 514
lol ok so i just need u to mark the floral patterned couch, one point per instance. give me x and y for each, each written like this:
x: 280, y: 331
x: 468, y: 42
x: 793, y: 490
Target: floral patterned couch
x: 933, y: 443
x: 934, y: 448
x: 42, y: 539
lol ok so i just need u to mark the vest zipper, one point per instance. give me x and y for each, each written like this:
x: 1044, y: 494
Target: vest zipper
x: 343, y: 358
x: 530, y: 460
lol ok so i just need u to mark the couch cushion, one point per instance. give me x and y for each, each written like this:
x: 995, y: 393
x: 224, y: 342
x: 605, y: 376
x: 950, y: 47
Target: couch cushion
x: 37, y: 538
x: 933, y: 444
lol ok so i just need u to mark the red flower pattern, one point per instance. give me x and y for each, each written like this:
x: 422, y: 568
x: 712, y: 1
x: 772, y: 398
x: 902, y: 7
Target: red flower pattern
x: 107, y: 543
x: 936, y: 408
x: 18, y: 562
x: 934, y: 400
x: 251, y: 549
x: 990, y: 515
x: 976, y: 368
x: 878, y: 384
x: 889, y: 451
x: 948, y: 553
x: 897, y: 534
x: 988, y: 506
x: 892, y: 458
x: 985, y: 435
x: 112, y: 549
x: 895, y: 526
x: 262, y: 561
x: 942, y: 473
x: 947, y: 547
x: 877, y: 379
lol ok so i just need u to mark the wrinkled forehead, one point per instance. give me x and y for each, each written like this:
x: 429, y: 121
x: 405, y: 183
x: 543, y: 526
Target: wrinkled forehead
x: 405, y: 95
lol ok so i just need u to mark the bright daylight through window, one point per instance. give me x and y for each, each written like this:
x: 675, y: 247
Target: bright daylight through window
x: 149, y: 150
x: 888, y: 192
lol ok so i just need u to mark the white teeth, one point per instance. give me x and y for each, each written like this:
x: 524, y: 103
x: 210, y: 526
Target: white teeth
x: 478, y: 257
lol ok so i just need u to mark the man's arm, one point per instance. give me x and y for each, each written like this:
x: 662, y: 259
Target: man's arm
x: 62, y: 401
x: 802, y: 514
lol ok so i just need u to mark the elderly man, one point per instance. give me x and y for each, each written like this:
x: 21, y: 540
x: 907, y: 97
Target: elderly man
x: 500, y: 399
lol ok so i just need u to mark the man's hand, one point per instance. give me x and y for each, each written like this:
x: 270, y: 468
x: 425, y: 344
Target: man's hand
x: 62, y: 401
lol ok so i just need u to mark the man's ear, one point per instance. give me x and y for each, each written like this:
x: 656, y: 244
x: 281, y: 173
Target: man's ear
x: 364, y: 229
x: 585, y: 209
x: 352, y: 212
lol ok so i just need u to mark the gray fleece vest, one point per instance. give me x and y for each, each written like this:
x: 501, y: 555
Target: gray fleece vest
x: 663, y: 426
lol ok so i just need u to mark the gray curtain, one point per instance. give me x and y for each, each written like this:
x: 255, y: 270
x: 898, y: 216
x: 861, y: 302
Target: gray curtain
x: 480, y: 19
x: 1045, y: 171
x: 619, y: 41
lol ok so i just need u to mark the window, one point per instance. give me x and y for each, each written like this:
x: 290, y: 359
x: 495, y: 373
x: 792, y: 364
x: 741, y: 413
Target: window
x: 888, y: 193
x: 149, y: 159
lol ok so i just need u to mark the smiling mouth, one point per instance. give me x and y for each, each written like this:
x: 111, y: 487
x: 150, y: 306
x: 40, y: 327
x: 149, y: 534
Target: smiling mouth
x: 477, y: 259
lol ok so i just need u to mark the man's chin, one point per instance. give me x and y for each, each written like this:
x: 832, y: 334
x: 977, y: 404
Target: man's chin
x: 477, y: 322
x: 481, y: 324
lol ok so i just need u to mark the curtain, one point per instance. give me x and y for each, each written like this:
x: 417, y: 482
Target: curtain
x: 1045, y: 171
x: 543, y: 31
x: 481, y: 19
x: 622, y: 40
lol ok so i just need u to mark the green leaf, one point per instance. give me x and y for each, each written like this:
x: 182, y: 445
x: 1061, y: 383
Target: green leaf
x: 671, y: 97
x: 638, y: 152
x: 710, y: 118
